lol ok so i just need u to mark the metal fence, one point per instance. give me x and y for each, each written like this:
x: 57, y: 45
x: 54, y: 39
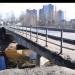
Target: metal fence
x: 46, y: 35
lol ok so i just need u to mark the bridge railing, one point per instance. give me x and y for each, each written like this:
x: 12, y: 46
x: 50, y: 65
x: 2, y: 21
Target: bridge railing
x: 46, y: 35
x: 35, y: 30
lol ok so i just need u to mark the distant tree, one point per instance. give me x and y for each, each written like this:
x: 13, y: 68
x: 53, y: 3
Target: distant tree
x: 12, y: 18
x: 1, y: 20
x: 22, y: 18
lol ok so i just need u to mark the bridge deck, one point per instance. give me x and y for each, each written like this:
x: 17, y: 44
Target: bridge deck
x: 66, y: 53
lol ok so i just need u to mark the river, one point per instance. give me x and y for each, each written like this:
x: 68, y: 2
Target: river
x: 2, y: 63
x: 67, y: 35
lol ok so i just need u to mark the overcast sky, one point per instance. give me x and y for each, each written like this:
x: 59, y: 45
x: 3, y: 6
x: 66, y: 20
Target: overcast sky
x: 17, y: 8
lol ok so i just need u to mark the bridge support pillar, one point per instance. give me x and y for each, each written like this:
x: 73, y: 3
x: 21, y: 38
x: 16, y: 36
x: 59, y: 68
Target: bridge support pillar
x: 38, y: 60
x: 43, y: 60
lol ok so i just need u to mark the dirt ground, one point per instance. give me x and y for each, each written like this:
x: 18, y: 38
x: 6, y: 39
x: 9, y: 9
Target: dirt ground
x: 54, y: 70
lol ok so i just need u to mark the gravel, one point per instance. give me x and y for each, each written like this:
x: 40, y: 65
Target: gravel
x: 51, y: 70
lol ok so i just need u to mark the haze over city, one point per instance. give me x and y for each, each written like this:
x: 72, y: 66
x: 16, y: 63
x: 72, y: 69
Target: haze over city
x: 18, y: 8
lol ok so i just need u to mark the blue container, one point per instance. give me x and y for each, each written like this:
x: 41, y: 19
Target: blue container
x: 2, y: 63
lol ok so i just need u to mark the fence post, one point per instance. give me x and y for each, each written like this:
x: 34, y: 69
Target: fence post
x: 22, y: 29
x: 36, y: 34
x: 30, y: 31
x: 15, y: 28
x: 26, y: 31
x: 46, y: 36
x: 61, y: 41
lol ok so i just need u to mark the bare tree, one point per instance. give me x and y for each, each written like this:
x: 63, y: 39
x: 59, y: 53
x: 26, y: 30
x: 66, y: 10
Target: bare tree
x: 12, y: 18
x: 22, y: 18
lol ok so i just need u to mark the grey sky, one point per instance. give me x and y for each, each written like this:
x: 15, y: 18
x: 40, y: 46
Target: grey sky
x: 17, y: 8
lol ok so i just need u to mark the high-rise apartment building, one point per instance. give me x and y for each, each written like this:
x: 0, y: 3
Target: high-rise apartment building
x: 41, y: 16
x: 46, y: 14
x: 31, y: 16
x: 59, y: 18
x: 60, y: 15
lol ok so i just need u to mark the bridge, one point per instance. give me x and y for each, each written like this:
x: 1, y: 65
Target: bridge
x: 57, y: 45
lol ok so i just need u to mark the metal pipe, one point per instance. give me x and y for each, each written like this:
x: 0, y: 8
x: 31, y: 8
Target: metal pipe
x: 46, y: 37
x: 30, y: 32
x: 36, y: 34
x: 26, y: 31
x: 22, y: 29
x: 61, y: 41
